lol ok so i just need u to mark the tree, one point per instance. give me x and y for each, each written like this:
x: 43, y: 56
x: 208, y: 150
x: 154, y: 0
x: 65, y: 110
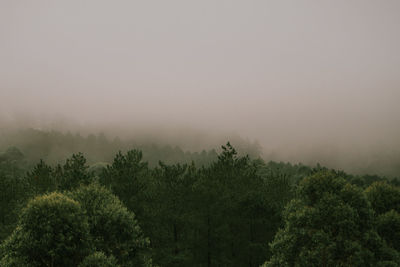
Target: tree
x: 329, y: 223
x: 52, y: 231
x: 62, y: 229
x: 127, y: 178
x: 113, y: 229
x: 13, y: 190
x: 41, y: 179
x: 232, y: 208
x: 170, y: 221
x: 388, y: 227
x: 384, y: 197
x: 385, y: 200
x: 73, y: 173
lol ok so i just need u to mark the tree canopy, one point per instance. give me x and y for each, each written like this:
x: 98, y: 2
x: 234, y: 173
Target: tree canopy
x: 329, y: 223
x: 233, y: 211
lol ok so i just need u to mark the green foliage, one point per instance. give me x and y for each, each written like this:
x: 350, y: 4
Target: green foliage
x: 74, y: 173
x: 99, y: 259
x: 329, y: 223
x: 61, y: 230
x: 113, y: 229
x: 384, y: 197
x: 388, y: 226
x: 127, y: 178
x: 41, y: 180
x: 223, y: 213
x: 44, y: 178
x: 13, y: 189
x: 236, y: 214
x: 200, y: 216
x: 13, y: 194
x: 170, y: 214
x: 385, y: 200
x: 52, y: 231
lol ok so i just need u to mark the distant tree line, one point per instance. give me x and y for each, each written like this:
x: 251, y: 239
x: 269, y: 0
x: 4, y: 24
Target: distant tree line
x: 54, y: 147
x: 234, y: 211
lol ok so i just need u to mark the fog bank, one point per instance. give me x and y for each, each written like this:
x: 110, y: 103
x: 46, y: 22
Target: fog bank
x: 311, y: 81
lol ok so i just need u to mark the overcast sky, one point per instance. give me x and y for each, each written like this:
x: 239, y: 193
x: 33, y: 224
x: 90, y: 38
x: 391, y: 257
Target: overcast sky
x: 283, y: 72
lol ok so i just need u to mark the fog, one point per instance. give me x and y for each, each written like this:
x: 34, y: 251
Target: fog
x: 311, y: 81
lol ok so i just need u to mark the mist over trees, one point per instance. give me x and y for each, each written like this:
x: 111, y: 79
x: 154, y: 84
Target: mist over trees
x: 185, y: 145
x: 216, y: 208
x: 199, y: 133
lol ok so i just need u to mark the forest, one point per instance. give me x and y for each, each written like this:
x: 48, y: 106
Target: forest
x: 69, y: 200
x: 199, y: 133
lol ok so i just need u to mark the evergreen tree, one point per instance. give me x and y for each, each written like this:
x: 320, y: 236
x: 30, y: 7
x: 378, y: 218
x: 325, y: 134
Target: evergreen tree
x: 73, y: 173
x: 127, y: 177
x: 171, y: 214
x: 41, y: 179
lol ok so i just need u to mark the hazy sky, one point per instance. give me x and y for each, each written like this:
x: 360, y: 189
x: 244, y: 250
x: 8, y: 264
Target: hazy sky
x: 284, y: 72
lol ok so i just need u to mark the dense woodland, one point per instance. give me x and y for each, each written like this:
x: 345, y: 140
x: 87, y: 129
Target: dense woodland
x: 124, y: 204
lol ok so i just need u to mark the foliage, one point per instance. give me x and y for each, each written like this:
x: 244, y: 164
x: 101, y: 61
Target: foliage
x: 329, y: 223
x: 113, y: 229
x: 13, y: 195
x: 384, y: 197
x: 41, y: 179
x: 217, y: 210
x: 170, y: 214
x: 236, y: 214
x: 74, y: 172
x: 52, y: 231
x: 388, y: 226
x: 385, y: 200
x: 127, y: 178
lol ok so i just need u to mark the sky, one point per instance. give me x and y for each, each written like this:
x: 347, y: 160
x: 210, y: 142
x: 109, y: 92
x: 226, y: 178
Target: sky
x: 297, y: 75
